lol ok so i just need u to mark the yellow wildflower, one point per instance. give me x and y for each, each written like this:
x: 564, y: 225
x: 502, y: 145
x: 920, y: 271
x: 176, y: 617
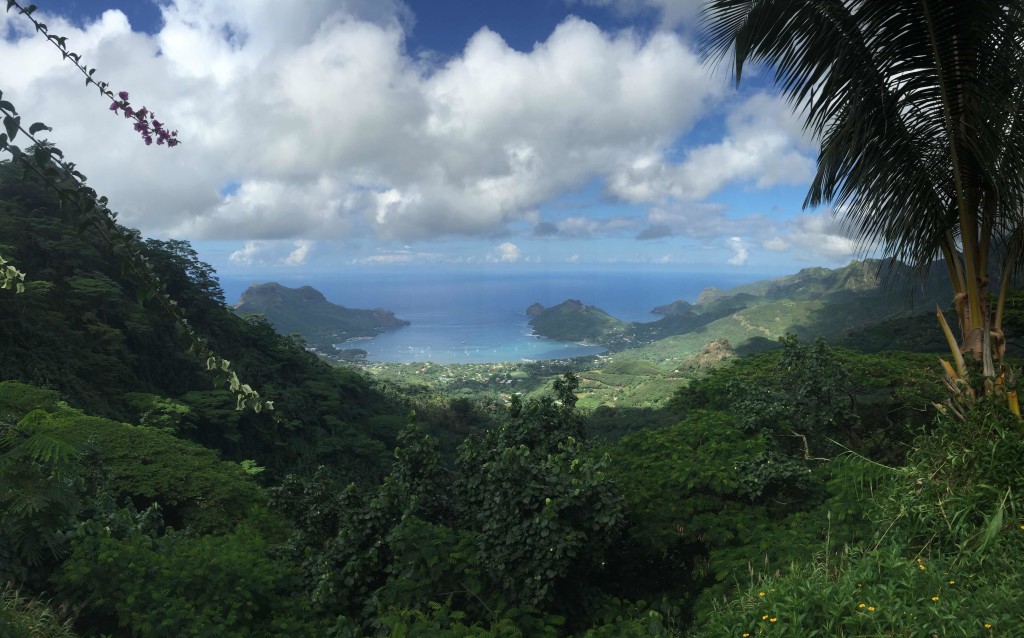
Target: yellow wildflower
x: 935, y: 599
x: 861, y: 605
x: 871, y: 608
x: 772, y: 619
x: 760, y: 593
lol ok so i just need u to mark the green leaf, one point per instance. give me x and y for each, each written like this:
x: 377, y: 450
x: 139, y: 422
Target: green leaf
x: 12, y: 124
x: 7, y: 106
x: 995, y: 524
x: 38, y: 126
x: 29, y: 10
x: 42, y: 156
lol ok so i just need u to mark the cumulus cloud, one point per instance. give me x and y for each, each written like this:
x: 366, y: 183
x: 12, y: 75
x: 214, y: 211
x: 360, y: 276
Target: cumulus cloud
x: 764, y: 146
x: 740, y: 254
x: 330, y: 129
x: 697, y: 220
x: 249, y: 254
x: 817, y: 236
x: 298, y: 256
x: 506, y: 252
x: 813, y: 237
x: 266, y: 253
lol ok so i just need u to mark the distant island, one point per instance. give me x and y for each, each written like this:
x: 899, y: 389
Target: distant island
x: 814, y: 302
x: 321, y: 323
x: 572, y: 320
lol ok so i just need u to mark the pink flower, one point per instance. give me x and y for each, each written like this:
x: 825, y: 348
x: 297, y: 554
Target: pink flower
x: 142, y: 125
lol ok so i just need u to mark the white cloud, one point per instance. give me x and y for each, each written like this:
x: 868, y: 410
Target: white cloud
x: 695, y: 219
x: 815, y: 237
x: 764, y: 145
x: 740, y: 254
x: 330, y: 129
x: 506, y: 252
x: 267, y: 253
x: 249, y: 254
x: 776, y: 244
x: 298, y: 256
x: 812, y: 237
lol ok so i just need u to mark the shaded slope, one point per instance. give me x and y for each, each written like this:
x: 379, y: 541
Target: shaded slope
x: 78, y: 329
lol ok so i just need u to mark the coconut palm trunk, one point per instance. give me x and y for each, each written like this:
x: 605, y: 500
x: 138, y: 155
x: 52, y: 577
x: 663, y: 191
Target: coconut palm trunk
x: 917, y: 108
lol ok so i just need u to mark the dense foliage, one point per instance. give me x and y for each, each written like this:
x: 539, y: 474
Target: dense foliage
x: 809, y: 490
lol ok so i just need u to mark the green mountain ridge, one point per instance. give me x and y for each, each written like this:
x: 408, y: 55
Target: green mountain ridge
x: 307, y: 312
x: 815, y: 302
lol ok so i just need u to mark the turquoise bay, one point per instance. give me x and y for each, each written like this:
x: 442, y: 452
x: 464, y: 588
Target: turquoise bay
x: 479, y: 316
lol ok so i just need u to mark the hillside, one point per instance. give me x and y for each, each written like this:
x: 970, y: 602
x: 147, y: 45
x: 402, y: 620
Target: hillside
x: 815, y: 302
x: 307, y: 312
x: 79, y: 330
x: 132, y: 491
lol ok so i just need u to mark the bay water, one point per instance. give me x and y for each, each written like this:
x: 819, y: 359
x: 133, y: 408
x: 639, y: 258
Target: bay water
x: 478, y: 316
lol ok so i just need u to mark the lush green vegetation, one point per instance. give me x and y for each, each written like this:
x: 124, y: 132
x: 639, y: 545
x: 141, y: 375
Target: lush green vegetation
x: 707, y: 495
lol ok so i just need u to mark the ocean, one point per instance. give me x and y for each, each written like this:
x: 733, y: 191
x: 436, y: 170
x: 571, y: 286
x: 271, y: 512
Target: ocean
x: 479, y: 316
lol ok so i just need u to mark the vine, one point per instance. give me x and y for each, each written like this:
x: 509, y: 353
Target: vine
x: 145, y: 120
x: 89, y: 209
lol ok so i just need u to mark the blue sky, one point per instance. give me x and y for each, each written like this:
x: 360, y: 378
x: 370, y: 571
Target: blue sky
x: 541, y: 134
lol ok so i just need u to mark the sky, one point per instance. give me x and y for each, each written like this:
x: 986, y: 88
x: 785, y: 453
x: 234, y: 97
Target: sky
x: 429, y: 134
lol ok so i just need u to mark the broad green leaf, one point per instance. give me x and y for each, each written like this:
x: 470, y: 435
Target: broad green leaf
x: 12, y: 124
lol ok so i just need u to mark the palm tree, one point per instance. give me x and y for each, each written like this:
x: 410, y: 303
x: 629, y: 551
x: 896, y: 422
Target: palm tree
x: 918, y: 108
